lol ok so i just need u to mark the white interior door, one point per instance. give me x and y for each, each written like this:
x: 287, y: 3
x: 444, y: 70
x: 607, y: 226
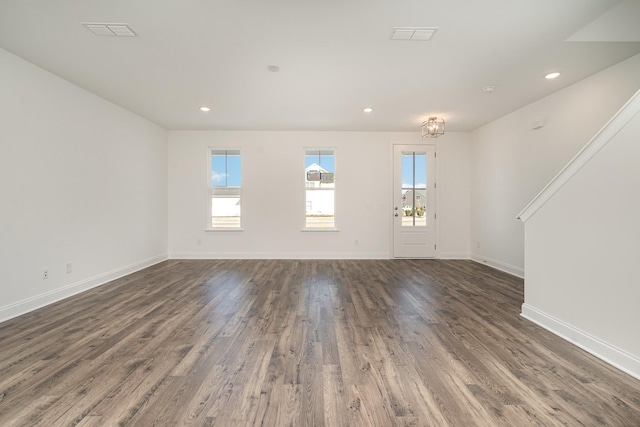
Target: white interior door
x: 414, y: 201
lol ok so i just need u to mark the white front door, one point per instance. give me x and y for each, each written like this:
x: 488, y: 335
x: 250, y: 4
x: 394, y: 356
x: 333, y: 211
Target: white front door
x: 414, y: 201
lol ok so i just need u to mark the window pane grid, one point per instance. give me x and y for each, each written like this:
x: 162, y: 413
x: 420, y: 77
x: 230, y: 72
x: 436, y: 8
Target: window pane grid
x: 225, y: 188
x: 320, y: 188
x: 414, y: 189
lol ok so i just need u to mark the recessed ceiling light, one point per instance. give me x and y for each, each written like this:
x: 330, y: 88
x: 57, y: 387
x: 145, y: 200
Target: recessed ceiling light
x: 205, y: 108
x: 368, y: 110
x: 273, y: 68
x: 552, y: 75
x: 488, y: 89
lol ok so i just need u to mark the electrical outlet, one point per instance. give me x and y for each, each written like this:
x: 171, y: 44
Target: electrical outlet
x: 45, y: 274
x: 69, y: 268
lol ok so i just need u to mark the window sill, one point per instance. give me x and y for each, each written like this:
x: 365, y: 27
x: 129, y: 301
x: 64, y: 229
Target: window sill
x: 320, y: 230
x: 226, y: 230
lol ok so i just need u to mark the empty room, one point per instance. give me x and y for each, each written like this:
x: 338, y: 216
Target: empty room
x: 319, y: 213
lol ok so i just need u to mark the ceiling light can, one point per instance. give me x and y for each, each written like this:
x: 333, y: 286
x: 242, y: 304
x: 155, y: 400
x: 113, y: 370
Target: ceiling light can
x: 368, y: 110
x: 205, y: 108
x: 551, y: 76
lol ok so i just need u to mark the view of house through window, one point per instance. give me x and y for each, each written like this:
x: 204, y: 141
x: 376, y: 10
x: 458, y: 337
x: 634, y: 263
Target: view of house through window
x: 320, y: 188
x: 225, y: 186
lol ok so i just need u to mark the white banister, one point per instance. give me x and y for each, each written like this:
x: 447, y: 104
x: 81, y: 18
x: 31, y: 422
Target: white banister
x: 613, y: 126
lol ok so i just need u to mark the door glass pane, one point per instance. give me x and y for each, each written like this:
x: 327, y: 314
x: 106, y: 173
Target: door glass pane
x: 414, y: 189
x: 421, y: 170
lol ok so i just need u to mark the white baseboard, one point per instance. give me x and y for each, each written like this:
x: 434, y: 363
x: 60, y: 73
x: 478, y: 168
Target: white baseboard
x: 602, y: 350
x: 299, y: 255
x: 453, y: 255
x: 498, y: 265
x: 21, y: 307
x: 280, y: 255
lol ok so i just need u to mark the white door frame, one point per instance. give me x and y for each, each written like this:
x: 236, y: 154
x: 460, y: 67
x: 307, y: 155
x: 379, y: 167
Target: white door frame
x: 431, y: 248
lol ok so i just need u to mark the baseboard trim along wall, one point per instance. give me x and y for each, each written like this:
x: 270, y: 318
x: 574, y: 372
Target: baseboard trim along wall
x: 281, y: 255
x: 600, y: 349
x: 453, y: 255
x: 21, y: 307
x: 299, y: 255
x: 498, y: 265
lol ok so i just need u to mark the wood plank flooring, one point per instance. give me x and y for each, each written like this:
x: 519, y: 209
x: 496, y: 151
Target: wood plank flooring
x: 303, y: 343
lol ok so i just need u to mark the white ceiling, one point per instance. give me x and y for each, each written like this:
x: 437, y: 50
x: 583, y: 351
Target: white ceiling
x: 335, y: 57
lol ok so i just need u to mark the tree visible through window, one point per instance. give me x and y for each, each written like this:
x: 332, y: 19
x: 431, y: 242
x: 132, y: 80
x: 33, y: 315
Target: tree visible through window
x: 320, y: 168
x: 225, y: 186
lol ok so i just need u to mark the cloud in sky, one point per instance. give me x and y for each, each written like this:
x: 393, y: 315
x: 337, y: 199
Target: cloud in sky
x: 218, y: 177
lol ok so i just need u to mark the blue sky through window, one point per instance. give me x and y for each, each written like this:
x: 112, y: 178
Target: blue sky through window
x: 326, y: 161
x: 407, y: 170
x: 225, y: 170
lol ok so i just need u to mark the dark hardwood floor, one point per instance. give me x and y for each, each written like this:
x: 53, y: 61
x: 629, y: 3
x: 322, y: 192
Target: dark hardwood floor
x: 303, y: 343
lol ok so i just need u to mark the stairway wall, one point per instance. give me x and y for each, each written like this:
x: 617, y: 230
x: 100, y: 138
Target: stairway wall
x: 582, y: 246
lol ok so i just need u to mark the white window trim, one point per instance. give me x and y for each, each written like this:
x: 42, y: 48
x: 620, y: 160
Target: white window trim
x: 209, y: 226
x: 335, y: 228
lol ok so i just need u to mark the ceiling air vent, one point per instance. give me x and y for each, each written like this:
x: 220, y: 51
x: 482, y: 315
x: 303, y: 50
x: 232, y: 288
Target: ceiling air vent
x: 413, y: 33
x: 112, y: 30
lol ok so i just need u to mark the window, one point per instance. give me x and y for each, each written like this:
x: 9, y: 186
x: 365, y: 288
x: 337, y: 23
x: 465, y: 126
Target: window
x: 320, y: 185
x: 224, y: 188
x: 414, y: 189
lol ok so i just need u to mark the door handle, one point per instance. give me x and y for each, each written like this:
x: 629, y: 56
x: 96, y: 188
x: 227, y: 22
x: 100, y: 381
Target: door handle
x: 396, y: 214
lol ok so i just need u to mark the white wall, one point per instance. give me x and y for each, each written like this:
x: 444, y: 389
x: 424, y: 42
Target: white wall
x: 511, y: 163
x: 273, y: 195
x: 453, y: 195
x: 582, y: 253
x: 82, y: 181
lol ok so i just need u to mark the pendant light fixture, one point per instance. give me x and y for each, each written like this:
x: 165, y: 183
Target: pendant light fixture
x: 433, y: 128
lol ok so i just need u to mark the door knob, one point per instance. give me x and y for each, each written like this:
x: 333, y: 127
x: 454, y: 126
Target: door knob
x: 396, y: 214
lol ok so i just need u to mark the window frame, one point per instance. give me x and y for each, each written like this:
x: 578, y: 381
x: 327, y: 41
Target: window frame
x: 210, y: 189
x: 305, y: 228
